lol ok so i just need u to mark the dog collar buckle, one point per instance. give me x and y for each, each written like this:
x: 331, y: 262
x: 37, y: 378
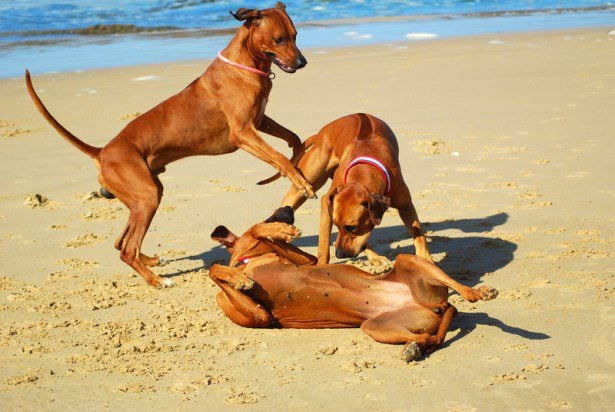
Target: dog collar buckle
x: 271, y: 75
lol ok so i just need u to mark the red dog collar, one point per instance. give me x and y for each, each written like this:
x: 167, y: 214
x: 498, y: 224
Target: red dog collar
x: 243, y: 260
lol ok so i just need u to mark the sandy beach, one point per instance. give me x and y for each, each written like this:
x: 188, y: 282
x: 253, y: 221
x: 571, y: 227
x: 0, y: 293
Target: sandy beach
x: 507, y: 146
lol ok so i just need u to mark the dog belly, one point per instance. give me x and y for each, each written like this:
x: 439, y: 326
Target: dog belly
x: 304, y: 297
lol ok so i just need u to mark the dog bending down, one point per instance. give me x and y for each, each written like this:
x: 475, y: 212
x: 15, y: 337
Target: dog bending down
x: 359, y: 152
x: 271, y: 283
x: 218, y: 113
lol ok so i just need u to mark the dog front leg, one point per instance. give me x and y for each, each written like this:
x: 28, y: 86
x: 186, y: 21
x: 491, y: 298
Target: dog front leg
x: 248, y: 139
x: 324, y: 231
x: 239, y: 307
x: 411, y: 220
x: 230, y: 276
x: 271, y: 127
x: 375, y: 259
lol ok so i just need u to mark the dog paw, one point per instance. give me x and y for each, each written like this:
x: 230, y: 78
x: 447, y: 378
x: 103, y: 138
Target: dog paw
x: 411, y: 352
x: 286, y: 232
x: 487, y: 292
x: 309, y: 192
x: 165, y: 283
x: 380, y: 262
x: 242, y: 283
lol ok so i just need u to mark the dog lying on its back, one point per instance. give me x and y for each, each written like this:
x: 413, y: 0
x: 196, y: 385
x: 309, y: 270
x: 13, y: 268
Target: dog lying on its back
x: 271, y: 283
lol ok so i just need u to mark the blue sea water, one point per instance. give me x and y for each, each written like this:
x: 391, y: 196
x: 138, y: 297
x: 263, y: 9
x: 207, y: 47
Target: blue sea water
x: 38, y: 33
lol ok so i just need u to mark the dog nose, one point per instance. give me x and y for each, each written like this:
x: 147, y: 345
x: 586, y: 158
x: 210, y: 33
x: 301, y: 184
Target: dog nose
x: 339, y: 253
x: 301, y: 62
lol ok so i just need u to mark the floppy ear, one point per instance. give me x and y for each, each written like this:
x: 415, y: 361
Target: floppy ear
x: 248, y: 15
x: 280, y: 5
x: 331, y: 197
x: 377, y: 205
x: 224, y: 236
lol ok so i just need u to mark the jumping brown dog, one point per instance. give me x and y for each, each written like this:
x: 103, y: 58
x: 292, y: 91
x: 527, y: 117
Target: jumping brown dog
x: 360, y: 153
x: 271, y: 283
x: 218, y: 113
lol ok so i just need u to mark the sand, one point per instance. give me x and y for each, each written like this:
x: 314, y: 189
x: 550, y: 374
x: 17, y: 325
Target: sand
x: 507, y: 146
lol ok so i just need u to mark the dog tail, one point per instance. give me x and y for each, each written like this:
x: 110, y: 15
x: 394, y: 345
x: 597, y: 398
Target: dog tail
x: 74, y: 140
x: 298, y: 152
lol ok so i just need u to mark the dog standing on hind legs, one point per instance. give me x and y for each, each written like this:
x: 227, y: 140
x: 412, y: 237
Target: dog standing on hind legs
x: 218, y: 113
x: 271, y: 283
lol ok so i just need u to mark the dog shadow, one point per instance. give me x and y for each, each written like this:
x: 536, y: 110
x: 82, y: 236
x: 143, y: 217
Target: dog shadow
x: 466, y: 323
x: 466, y: 258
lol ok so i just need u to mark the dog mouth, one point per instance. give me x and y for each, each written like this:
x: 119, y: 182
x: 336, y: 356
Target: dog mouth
x: 274, y: 59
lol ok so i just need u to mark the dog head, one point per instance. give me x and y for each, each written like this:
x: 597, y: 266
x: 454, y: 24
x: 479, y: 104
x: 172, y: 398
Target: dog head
x: 272, y: 36
x: 355, y: 212
x: 271, y: 236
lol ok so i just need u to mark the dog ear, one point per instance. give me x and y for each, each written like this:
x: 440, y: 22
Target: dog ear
x: 377, y: 205
x: 247, y: 15
x: 280, y: 5
x: 224, y: 236
x: 331, y: 197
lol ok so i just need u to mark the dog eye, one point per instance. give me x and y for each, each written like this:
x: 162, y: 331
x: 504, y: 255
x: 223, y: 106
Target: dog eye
x: 350, y: 228
x: 278, y: 40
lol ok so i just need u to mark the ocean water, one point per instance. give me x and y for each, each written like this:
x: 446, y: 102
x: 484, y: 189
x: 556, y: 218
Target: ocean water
x: 62, y: 35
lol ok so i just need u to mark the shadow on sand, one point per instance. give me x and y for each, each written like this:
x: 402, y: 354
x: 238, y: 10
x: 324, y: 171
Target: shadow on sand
x: 466, y: 258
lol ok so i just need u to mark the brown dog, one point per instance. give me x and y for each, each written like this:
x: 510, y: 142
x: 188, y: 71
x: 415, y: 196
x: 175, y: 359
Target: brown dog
x: 360, y: 153
x: 270, y: 283
x: 218, y: 113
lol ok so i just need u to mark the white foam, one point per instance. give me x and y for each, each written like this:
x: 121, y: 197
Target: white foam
x: 420, y: 36
x: 357, y: 36
x: 612, y: 33
x: 144, y: 78
x: 496, y: 41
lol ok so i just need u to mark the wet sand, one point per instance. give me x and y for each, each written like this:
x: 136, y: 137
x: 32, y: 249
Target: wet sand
x: 507, y: 146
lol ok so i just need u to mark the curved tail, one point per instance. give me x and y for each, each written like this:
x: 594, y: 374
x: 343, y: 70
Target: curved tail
x: 74, y: 140
x: 298, y: 152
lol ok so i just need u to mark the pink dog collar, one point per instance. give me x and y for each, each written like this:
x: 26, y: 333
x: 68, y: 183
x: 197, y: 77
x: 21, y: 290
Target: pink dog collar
x: 372, y: 162
x: 248, y: 68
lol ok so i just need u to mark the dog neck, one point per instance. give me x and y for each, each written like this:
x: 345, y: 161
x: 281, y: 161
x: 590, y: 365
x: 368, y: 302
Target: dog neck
x: 240, y: 51
x: 374, y: 166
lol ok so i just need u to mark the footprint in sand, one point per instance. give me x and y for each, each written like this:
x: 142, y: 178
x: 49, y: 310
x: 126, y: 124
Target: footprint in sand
x: 84, y: 240
x: 76, y: 263
x: 230, y: 188
x: 35, y: 200
x: 103, y: 213
x: 432, y: 147
x: 8, y: 129
x: 130, y: 116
